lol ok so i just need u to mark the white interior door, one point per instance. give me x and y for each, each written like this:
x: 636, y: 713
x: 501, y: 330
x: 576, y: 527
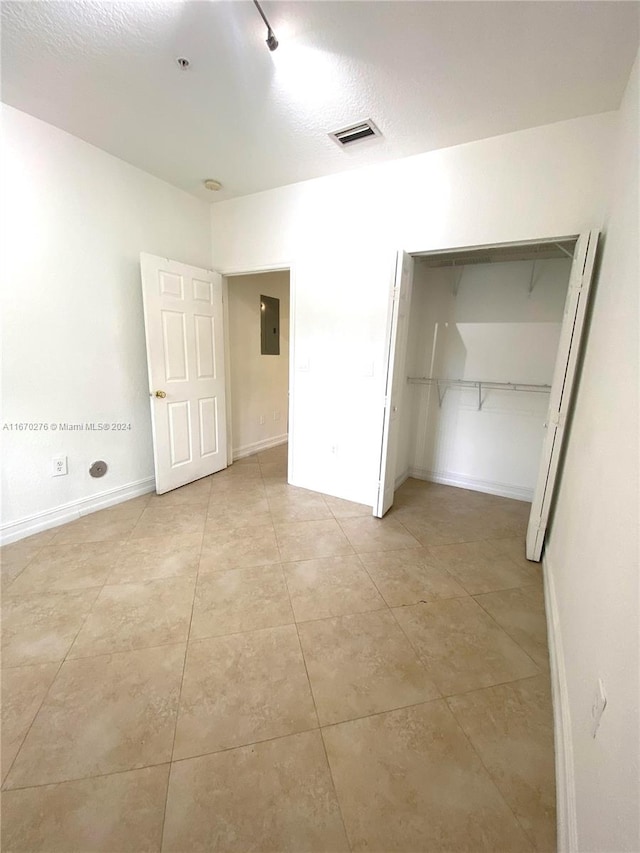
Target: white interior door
x: 395, y: 382
x: 561, y: 389
x: 183, y: 317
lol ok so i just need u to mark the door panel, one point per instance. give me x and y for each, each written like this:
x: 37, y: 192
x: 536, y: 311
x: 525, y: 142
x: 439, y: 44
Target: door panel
x: 179, y: 433
x: 171, y: 284
x: 396, y: 381
x: 205, y: 356
x: 202, y: 291
x: 561, y: 389
x: 185, y: 353
x: 208, y: 413
x: 174, y: 338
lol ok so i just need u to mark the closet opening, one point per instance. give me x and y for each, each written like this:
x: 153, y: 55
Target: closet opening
x: 258, y: 353
x: 483, y: 346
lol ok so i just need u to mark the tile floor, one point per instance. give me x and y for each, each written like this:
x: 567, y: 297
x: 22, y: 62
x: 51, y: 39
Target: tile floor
x: 243, y: 665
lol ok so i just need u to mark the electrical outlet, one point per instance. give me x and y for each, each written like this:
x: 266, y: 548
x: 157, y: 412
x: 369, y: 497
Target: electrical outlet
x: 334, y: 448
x: 59, y: 466
x: 597, y: 707
x: 262, y: 420
x: 276, y: 416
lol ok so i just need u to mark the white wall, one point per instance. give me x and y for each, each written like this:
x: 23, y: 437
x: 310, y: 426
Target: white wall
x: 490, y: 328
x: 340, y: 235
x: 593, y: 549
x: 259, y: 383
x: 74, y: 222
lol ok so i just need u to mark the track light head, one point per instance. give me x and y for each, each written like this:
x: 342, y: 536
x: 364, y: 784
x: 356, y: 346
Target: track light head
x: 272, y: 41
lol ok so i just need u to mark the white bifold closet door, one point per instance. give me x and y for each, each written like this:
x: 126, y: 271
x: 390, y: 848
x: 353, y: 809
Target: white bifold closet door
x: 564, y: 377
x: 397, y: 335
x: 183, y: 317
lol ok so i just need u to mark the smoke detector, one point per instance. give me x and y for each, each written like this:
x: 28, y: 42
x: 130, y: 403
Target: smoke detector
x: 355, y: 133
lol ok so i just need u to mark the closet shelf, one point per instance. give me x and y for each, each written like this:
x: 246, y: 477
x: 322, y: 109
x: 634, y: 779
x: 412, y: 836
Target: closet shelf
x: 443, y: 385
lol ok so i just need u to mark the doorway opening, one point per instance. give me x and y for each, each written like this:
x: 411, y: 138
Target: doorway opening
x: 258, y: 311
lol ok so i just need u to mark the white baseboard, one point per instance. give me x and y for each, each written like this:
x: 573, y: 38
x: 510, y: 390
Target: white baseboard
x: 401, y: 478
x: 447, y: 478
x: 565, y: 777
x: 15, y: 530
x: 257, y: 446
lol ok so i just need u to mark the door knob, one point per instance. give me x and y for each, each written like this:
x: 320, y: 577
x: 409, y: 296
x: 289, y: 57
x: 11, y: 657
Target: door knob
x: 161, y: 394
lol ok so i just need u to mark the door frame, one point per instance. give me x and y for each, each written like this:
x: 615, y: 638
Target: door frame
x: 234, y: 272
x: 416, y: 253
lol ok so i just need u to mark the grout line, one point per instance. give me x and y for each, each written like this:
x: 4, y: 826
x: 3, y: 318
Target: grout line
x: 178, y: 703
x: 46, y: 693
x: 409, y: 533
x: 448, y: 696
x: 247, y: 630
x: 27, y: 564
x: 53, y: 681
x: 492, y: 779
x: 491, y: 591
x: 335, y: 790
x: 116, y: 544
x: 313, y: 699
x: 502, y: 628
x: 382, y: 713
x: 245, y: 745
x: 347, y: 615
x: 395, y: 618
x: 167, y: 763
x: 304, y: 661
x: 346, y: 535
x: 86, y: 778
x: 114, y: 652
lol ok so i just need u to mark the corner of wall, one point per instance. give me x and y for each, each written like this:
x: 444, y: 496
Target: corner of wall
x: 565, y: 778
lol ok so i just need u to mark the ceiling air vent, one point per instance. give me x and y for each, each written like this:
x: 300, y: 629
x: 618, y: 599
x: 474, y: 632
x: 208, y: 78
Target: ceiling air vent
x: 355, y: 133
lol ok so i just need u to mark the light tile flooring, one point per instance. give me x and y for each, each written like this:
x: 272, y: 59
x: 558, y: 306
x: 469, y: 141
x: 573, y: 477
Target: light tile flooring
x: 243, y: 665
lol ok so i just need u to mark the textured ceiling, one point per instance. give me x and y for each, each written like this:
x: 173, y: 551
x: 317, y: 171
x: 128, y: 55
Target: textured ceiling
x: 430, y: 74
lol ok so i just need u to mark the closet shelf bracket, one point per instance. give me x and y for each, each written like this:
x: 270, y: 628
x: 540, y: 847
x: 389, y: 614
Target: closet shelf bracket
x: 562, y: 249
x: 532, y: 280
x: 456, y: 278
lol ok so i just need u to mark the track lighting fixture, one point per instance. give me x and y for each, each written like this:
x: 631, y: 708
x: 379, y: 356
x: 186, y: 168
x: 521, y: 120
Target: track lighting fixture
x: 272, y: 41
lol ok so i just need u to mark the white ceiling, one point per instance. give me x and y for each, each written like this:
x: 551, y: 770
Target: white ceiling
x: 430, y: 74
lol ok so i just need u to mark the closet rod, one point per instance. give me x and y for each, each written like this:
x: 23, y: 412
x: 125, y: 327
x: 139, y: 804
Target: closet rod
x: 488, y: 385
